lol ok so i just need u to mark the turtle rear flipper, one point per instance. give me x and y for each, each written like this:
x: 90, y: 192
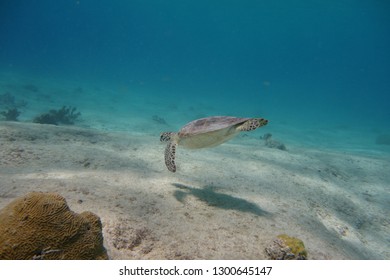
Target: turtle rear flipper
x: 252, y: 124
x: 170, y: 152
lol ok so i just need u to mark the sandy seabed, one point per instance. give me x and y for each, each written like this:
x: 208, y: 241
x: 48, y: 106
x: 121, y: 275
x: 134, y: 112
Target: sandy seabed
x: 227, y: 202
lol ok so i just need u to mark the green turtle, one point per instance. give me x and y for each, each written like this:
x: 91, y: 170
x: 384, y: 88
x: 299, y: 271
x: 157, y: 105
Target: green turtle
x: 206, y: 132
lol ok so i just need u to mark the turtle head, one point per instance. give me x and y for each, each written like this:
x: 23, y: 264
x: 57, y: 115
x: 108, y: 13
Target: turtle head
x: 252, y: 124
x: 166, y: 136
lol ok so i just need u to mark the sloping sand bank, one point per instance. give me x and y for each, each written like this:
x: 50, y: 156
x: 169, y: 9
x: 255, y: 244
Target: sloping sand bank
x: 227, y: 202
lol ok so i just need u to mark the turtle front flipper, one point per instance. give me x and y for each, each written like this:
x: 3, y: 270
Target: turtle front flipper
x: 170, y: 152
x: 252, y: 124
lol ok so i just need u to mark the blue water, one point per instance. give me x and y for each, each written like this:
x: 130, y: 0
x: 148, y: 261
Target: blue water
x: 320, y: 63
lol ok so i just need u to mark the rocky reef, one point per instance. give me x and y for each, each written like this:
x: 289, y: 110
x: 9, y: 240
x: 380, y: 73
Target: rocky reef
x: 285, y: 247
x: 10, y: 106
x: 158, y: 119
x: 271, y: 143
x: 65, y: 115
x: 383, y: 139
x: 10, y: 114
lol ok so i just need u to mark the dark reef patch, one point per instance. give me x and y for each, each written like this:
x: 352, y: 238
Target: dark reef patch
x: 65, y: 115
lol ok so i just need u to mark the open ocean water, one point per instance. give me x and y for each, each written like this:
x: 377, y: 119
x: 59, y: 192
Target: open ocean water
x: 317, y: 63
x: 317, y: 70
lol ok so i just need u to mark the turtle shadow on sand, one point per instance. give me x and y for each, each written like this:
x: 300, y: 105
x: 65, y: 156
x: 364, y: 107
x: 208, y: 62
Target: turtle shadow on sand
x: 212, y: 198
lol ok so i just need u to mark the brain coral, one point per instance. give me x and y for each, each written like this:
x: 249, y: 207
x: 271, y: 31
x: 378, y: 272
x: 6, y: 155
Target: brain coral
x: 41, y: 226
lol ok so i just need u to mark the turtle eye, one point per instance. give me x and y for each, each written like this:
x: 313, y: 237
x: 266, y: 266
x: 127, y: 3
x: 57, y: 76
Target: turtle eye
x: 165, y: 136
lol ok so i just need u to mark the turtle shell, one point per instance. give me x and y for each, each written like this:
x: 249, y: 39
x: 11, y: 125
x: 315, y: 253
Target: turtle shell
x: 209, y: 124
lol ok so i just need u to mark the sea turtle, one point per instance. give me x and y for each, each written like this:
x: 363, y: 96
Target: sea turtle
x: 206, y: 132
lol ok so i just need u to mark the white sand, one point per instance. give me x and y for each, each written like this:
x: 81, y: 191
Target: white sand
x: 227, y: 202
x: 223, y: 203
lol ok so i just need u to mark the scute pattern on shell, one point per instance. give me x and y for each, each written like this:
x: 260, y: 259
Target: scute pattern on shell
x: 41, y: 226
x: 209, y: 124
